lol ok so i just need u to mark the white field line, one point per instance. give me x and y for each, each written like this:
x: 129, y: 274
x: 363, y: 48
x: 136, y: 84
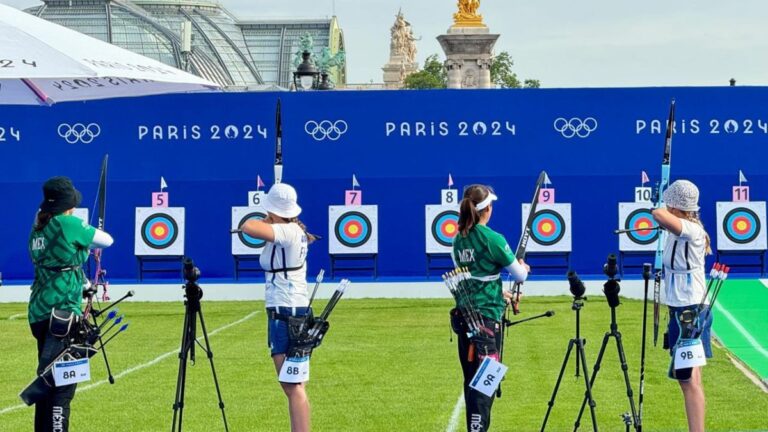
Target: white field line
x: 453, y: 423
x: 13, y: 317
x: 752, y: 341
x: 154, y: 361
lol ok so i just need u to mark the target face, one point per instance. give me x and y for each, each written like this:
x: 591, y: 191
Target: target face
x: 243, y: 244
x: 636, y: 216
x: 159, y: 232
x: 442, y: 225
x: 741, y: 226
x: 247, y: 240
x: 642, y: 221
x: 445, y: 226
x: 548, y: 227
x: 550, y: 231
x: 353, y: 231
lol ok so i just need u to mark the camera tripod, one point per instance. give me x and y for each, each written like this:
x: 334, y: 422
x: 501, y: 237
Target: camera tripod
x: 581, y: 362
x: 193, y: 311
x: 614, y: 333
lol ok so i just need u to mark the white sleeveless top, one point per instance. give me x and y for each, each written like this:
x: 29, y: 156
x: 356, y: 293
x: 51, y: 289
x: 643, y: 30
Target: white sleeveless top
x: 684, y: 275
x: 284, y: 264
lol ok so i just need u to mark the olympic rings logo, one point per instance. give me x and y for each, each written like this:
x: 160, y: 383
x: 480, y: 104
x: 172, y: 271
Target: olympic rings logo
x: 326, y: 129
x: 575, y: 127
x: 79, y: 132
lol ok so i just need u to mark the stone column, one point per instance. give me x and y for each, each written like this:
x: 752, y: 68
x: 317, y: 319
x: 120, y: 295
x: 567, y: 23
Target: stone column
x: 468, y: 56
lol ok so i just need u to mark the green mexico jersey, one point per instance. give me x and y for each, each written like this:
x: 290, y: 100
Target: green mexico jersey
x: 58, y: 252
x: 485, y: 252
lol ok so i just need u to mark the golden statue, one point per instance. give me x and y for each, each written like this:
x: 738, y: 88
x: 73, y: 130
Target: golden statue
x: 467, y: 15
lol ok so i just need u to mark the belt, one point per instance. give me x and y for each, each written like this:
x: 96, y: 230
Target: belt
x: 282, y: 313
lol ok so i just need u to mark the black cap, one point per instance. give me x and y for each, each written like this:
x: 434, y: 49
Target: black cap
x: 59, y: 195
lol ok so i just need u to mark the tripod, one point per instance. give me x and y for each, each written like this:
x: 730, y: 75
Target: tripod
x: 614, y: 333
x: 193, y: 294
x: 581, y: 361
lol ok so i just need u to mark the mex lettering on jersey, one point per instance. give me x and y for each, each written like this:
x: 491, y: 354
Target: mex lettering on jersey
x: 38, y: 244
x: 466, y: 255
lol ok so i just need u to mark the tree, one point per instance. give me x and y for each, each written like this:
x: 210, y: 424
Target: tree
x: 432, y: 76
x: 502, y: 75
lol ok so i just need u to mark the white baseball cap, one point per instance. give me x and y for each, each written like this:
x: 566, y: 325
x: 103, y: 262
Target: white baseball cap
x: 281, y: 201
x: 682, y: 195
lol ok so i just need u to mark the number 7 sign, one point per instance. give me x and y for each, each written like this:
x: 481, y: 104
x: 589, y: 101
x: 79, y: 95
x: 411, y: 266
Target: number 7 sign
x: 353, y: 197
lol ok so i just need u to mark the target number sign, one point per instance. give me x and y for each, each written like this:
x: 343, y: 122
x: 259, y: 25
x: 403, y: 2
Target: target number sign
x: 741, y: 226
x: 741, y: 194
x: 643, y: 194
x: 159, y: 231
x: 255, y: 198
x: 449, y: 197
x: 637, y: 216
x: 442, y: 225
x: 159, y: 199
x: 550, y: 229
x: 353, y: 197
x: 353, y: 230
x: 81, y: 213
x: 547, y: 196
x: 242, y: 243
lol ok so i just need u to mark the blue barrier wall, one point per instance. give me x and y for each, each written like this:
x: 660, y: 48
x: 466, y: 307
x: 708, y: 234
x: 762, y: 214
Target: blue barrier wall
x: 400, y: 144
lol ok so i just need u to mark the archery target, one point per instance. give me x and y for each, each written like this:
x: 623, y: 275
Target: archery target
x: 82, y: 213
x: 550, y: 229
x: 637, y: 215
x: 442, y: 225
x: 159, y: 231
x: 741, y: 226
x: 353, y: 229
x: 242, y: 243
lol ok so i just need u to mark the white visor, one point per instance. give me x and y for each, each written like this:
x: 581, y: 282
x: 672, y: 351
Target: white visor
x: 486, y: 202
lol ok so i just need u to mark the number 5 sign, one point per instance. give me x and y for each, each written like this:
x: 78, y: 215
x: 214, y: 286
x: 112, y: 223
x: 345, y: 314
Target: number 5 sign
x: 159, y: 199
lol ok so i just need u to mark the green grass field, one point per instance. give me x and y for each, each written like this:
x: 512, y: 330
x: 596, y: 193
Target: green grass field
x: 386, y: 365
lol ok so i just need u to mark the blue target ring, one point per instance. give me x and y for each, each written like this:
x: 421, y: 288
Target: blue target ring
x: 353, y: 229
x: 741, y: 225
x: 247, y: 240
x: 159, y: 231
x: 445, y: 226
x: 548, y: 227
x: 637, y: 220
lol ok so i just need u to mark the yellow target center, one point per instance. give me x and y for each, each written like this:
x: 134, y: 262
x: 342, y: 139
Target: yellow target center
x: 547, y: 227
x: 643, y: 224
x: 741, y: 225
x: 353, y: 229
x: 159, y: 231
x: 450, y: 229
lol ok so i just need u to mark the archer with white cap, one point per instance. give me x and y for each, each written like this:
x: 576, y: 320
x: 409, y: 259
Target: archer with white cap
x: 484, y: 253
x: 685, y: 286
x: 284, y: 262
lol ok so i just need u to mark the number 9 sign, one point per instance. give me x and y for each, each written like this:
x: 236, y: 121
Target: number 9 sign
x: 547, y: 196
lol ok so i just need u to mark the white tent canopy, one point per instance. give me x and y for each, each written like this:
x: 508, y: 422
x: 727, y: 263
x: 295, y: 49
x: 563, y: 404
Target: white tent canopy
x: 42, y: 62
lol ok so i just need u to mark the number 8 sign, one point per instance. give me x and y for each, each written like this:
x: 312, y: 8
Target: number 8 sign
x: 449, y: 197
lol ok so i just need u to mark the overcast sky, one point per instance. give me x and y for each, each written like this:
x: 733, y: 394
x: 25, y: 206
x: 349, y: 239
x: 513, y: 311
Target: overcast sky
x: 563, y: 43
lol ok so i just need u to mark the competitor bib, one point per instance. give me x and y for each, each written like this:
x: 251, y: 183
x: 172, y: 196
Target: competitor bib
x: 71, y: 372
x: 488, y: 376
x: 295, y: 370
x: 689, y: 353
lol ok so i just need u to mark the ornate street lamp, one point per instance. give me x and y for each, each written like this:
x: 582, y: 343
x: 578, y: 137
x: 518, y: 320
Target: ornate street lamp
x: 325, y: 83
x: 306, y: 75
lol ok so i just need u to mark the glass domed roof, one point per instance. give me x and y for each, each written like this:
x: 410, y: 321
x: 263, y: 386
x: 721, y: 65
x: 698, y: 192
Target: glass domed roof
x: 153, y: 28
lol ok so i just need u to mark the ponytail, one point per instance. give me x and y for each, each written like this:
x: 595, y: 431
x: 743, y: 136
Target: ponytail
x: 310, y: 237
x: 41, y: 220
x: 694, y: 217
x: 469, y: 215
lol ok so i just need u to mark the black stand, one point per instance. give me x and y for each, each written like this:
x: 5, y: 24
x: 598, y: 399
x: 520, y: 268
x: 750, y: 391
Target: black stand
x: 614, y: 333
x: 581, y: 361
x: 240, y: 260
x: 188, y: 340
x: 173, y: 262
x: 364, y: 262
